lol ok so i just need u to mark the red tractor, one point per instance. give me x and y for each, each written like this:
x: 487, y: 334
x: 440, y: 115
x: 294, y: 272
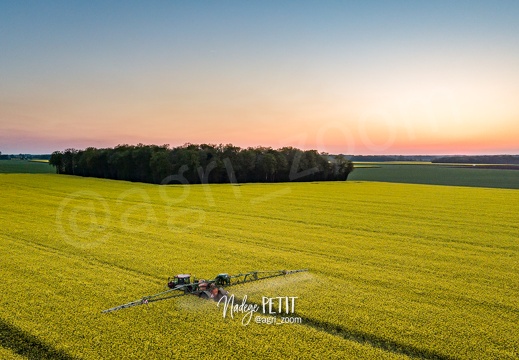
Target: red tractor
x: 205, y: 289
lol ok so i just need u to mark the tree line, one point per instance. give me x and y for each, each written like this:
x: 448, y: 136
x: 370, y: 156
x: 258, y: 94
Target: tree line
x: 24, y: 157
x: 479, y: 159
x: 205, y: 163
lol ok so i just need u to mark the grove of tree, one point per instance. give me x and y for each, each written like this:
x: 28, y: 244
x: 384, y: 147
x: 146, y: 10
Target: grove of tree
x: 204, y: 163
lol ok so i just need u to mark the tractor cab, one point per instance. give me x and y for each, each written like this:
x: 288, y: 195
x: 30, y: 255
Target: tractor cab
x: 178, y: 280
x: 223, y: 279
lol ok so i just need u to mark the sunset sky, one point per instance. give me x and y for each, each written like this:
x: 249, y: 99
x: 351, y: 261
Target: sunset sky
x: 352, y: 77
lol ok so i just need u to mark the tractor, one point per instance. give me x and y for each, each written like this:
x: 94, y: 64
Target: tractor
x: 181, y: 285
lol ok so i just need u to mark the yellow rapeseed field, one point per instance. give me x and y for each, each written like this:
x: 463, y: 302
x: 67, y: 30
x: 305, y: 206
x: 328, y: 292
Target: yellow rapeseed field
x: 396, y: 271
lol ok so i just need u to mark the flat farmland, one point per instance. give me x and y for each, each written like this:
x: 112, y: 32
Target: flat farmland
x: 397, y: 271
x: 26, y: 167
x: 490, y: 176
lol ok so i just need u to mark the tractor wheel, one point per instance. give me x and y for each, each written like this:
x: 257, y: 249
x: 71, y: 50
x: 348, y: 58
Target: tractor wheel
x: 222, y: 291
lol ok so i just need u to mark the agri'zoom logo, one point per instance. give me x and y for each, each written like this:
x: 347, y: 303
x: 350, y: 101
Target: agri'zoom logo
x: 274, y: 310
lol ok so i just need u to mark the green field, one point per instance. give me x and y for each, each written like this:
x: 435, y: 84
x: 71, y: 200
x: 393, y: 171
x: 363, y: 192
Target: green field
x: 26, y: 167
x: 439, y: 174
x: 399, y: 172
x: 396, y: 270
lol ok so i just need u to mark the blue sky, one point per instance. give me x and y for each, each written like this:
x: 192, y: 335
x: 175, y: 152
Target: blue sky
x: 360, y: 77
